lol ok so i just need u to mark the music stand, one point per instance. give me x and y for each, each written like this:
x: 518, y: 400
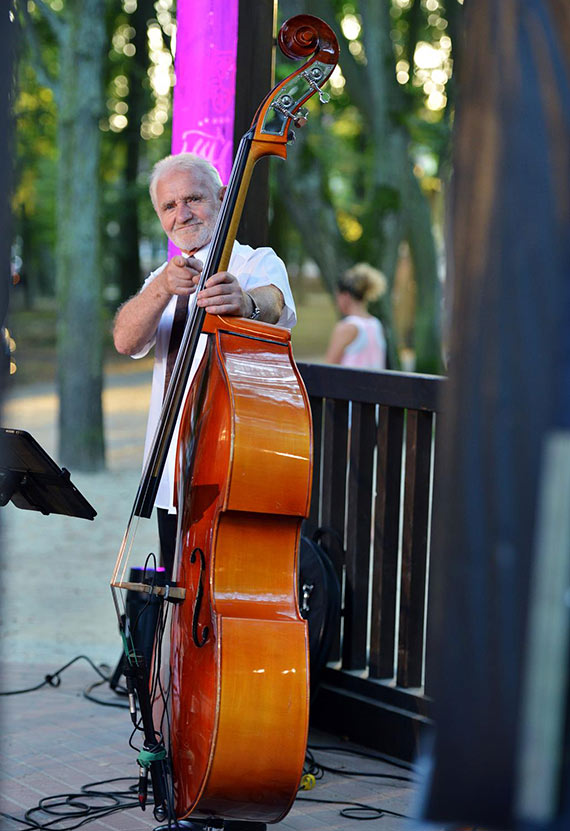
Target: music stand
x: 31, y: 479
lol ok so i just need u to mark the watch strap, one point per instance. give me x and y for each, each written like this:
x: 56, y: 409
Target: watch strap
x: 256, y: 311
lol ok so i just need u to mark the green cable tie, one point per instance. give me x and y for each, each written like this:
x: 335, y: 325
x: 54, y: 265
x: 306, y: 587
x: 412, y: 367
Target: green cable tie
x: 129, y: 652
x: 147, y: 757
x: 125, y: 644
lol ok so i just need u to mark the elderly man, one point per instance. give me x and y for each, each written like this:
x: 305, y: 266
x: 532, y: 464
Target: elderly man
x: 187, y: 193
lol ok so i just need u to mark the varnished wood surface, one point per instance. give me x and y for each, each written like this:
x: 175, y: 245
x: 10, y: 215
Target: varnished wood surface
x: 240, y: 724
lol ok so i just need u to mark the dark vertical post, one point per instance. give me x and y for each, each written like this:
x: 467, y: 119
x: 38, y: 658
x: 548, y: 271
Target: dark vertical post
x: 254, y: 79
x: 414, y: 547
x: 386, y: 535
x: 508, y: 396
x: 359, y: 520
x: 438, y: 447
x: 335, y: 448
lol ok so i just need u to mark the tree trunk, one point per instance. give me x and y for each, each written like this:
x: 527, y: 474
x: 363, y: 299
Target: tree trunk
x: 419, y: 233
x: 79, y: 279
x: 401, y: 209
x: 303, y: 193
x: 137, y: 101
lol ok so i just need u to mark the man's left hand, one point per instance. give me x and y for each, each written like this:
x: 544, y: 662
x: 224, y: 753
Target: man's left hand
x: 222, y: 295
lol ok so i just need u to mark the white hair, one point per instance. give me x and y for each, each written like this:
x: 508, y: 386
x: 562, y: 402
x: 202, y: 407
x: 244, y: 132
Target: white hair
x: 183, y: 162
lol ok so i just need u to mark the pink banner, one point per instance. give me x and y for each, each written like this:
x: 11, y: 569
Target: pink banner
x: 204, y: 93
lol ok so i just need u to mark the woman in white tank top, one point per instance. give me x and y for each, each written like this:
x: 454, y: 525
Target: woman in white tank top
x: 358, y: 339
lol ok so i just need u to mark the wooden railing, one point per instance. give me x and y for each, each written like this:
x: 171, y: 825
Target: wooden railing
x: 374, y: 441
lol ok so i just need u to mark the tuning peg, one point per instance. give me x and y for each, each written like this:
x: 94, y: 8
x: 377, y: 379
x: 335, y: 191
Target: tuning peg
x: 312, y: 77
x: 301, y: 117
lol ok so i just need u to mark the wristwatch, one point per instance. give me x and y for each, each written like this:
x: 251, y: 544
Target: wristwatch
x: 256, y: 312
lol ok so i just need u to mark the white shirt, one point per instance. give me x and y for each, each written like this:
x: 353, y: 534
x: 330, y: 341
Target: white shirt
x: 252, y: 267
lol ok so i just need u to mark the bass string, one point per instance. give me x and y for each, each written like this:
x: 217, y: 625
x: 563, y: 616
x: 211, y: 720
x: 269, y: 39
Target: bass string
x: 183, y: 364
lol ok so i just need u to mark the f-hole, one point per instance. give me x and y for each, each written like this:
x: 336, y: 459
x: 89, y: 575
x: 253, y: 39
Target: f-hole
x: 199, y: 642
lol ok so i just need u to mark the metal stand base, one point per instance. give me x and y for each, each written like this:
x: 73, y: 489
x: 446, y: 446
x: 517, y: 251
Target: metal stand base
x: 182, y: 825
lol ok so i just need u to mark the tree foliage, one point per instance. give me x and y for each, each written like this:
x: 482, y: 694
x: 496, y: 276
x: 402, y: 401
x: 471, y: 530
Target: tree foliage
x: 134, y: 128
x: 367, y: 172
x: 85, y: 97
x: 92, y: 114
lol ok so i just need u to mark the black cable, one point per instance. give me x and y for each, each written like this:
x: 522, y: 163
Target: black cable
x: 313, y: 765
x: 134, y: 626
x: 55, y: 680
x: 87, y: 694
x: 380, y: 757
x: 355, y: 807
x: 343, y: 772
x: 156, y: 692
x: 75, y: 805
x: 66, y: 812
x: 356, y: 810
x: 65, y: 809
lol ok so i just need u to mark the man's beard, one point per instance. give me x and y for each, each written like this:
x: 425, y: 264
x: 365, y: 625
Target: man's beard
x: 193, y: 236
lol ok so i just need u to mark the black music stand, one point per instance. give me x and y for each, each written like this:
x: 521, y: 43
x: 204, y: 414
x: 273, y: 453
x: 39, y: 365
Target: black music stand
x: 31, y: 479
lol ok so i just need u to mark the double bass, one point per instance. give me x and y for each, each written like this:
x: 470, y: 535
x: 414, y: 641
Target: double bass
x: 224, y: 706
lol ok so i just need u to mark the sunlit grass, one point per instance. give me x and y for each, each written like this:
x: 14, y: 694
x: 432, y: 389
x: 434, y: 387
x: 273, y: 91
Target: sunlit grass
x: 316, y: 317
